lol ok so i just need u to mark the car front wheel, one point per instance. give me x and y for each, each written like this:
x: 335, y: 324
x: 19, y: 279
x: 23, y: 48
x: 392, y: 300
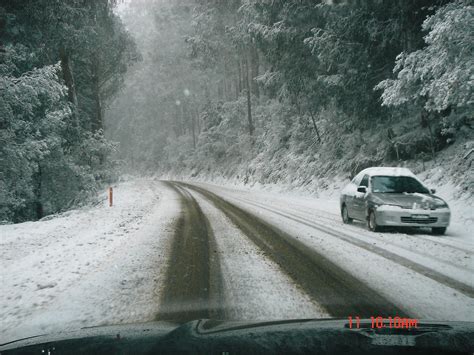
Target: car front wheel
x: 438, y: 230
x: 372, y: 223
x: 345, y: 215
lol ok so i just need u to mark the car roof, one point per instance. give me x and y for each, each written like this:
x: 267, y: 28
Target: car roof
x: 387, y: 171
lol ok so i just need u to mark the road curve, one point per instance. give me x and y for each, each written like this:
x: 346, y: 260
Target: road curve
x: 337, y: 291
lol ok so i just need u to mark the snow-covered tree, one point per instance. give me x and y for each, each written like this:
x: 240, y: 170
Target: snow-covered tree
x: 60, y: 61
x: 441, y: 75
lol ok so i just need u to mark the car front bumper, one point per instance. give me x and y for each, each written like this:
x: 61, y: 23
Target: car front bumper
x: 399, y: 217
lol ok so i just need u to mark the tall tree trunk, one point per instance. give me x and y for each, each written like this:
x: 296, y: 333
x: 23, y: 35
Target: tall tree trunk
x: 187, y: 119
x: 238, y: 86
x: 68, y: 75
x: 426, y: 122
x: 225, y: 83
x: 255, y: 70
x: 193, y: 127
x: 249, y: 101
x: 198, y: 119
x: 38, y: 200
x: 207, y: 92
x: 183, y: 118
x: 98, y: 122
x: 178, y: 120
x: 315, y: 126
x: 220, y: 90
x: 242, y: 73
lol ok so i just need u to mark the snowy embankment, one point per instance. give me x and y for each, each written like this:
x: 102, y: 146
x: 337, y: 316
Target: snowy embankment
x: 86, y: 267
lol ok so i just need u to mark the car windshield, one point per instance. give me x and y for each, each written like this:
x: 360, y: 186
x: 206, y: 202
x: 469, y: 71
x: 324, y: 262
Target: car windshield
x: 174, y: 160
x: 397, y: 184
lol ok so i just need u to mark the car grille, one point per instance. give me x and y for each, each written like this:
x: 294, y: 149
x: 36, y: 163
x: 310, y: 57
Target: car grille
x: 419, y: 220
x: 432, y: 208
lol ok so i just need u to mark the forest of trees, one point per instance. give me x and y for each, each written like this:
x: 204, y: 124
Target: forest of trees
x: 261, y: 90
x: 61, y: 62
x: 255, y: 89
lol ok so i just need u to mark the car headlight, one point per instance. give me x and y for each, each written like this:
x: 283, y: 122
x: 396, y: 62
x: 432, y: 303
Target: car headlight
x: 440, y: 204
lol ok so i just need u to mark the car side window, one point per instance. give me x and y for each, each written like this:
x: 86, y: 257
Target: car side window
x: 365, y: 181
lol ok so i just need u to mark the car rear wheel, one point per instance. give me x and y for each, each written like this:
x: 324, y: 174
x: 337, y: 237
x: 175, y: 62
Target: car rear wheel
x: 438, y: 230
x: 372, y: 223
x: 345, y: 215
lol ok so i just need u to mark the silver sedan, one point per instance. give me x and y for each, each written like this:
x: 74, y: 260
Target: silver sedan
x: 393, y: 197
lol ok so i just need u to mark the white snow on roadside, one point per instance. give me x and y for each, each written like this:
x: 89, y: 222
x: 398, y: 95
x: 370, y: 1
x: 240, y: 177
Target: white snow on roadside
x: 96, y: 265
x: 255, y: 287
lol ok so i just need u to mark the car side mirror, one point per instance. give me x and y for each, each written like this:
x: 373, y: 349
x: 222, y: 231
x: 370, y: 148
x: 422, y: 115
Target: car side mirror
x: 433, y: 191
x: 362, y: 189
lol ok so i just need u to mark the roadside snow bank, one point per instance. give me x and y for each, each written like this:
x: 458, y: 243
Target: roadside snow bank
x: 74, y: 269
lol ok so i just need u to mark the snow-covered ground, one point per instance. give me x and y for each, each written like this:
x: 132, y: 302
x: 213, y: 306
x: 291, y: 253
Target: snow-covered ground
x: 101, y: 265
x: 89, y: 266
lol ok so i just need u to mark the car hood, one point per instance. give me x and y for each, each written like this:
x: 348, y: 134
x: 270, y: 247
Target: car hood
x: 407, y: 200
x: 322, y: 336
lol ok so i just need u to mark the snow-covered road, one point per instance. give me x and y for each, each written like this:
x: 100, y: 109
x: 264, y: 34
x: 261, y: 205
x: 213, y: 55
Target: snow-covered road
x: 104, y: 265
x: 254, y: 286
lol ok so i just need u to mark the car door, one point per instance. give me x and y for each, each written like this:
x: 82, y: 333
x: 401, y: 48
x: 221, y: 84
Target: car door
x: 359, y: 199
x: 349, y: 194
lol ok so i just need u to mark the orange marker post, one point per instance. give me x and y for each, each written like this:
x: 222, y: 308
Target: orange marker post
x: 111, y: 197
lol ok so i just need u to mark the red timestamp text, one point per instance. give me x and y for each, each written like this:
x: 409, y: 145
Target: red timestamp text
x: 383, y: 322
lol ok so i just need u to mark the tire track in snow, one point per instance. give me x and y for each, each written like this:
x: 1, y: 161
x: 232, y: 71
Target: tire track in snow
x: 340, y: 293
x: 255, y: 287
x: 193, y: 286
